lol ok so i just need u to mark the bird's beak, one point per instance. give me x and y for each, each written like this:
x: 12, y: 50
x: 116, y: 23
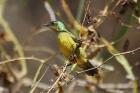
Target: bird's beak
x: 47, y: 25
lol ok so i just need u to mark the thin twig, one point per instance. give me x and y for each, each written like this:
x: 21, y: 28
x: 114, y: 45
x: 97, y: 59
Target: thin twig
x: 39, y: 70
x: 58, y: 79
x: 105, y: 12
x: 36, y: 75
x: 137, y: 27
x: 114, y: 55
x: 41, y: 85
x: 87, y: 10
x: 71, y: 18
x: 22, y: 58
x: 35, y: 84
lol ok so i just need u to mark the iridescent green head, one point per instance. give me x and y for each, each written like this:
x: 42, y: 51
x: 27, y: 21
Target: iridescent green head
x: 57, y: 26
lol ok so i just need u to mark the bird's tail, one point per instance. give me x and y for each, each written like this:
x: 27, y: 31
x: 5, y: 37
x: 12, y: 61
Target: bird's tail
x: 89, y: 69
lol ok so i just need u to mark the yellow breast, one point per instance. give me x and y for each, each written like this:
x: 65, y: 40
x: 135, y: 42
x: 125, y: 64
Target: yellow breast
x: 66, y: 44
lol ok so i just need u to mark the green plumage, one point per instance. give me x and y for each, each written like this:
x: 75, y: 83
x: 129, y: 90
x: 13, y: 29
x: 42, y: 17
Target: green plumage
x: 68, y: 46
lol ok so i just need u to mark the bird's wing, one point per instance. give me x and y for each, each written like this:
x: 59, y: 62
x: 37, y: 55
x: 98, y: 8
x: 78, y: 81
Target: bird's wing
x: 72, y: 36
x: 76, y: 39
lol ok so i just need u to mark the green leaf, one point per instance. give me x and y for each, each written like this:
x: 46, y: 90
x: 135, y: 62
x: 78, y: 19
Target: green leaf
x: 120, y: 58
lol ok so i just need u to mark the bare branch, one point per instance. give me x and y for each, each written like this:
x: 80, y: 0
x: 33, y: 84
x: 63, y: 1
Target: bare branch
x: 50, y: 11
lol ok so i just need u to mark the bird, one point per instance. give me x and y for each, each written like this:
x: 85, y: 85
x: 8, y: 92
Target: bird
x: 70, y: 47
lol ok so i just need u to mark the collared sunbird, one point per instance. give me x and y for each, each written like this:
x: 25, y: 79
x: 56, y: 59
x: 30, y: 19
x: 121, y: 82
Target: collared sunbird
x: 68, y: 46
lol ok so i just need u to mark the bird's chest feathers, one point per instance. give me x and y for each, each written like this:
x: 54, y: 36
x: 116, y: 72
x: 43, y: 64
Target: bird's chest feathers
x: 66, y: 44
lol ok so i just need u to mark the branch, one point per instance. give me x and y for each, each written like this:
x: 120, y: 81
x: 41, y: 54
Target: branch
x: 114, y: 55
x: 13, y: 38
x: 50, y: 11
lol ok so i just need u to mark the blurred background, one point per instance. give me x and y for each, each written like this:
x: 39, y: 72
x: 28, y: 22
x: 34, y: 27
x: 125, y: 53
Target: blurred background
x: 22, y: 36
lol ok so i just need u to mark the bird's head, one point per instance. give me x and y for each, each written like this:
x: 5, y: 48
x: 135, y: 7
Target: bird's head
x: 57, y: 26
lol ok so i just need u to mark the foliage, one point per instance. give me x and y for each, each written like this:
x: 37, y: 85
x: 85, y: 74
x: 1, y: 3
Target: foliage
x: 86, y: 27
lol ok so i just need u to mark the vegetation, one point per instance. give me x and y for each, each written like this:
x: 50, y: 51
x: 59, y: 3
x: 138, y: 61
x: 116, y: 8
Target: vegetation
x: 29, y: 64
